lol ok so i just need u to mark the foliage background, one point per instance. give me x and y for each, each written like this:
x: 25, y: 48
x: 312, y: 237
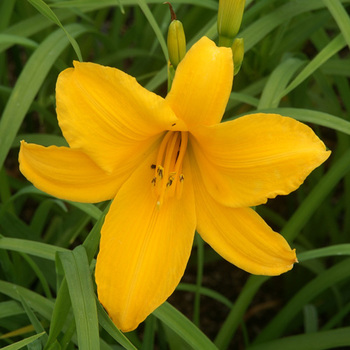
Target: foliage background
x: 297, y: 64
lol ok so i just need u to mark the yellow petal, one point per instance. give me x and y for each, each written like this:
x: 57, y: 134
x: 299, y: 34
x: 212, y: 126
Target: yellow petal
x: 248, y: 160
x: 69, y: 174
x: 202, y: 84
x: 144, y: 248
x: 240, y: 235
x: 107, y: 114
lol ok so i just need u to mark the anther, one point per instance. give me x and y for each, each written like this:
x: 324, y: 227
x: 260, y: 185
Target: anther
x: 160, y: 171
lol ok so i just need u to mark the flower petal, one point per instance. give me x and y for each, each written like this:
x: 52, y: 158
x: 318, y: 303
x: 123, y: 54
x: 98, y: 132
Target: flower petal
x: 202, y: 84
x: 107, y: 114
x: 240, y: 235
x: 248, y: 160
x: 144, y: 248
x: 69, y: 174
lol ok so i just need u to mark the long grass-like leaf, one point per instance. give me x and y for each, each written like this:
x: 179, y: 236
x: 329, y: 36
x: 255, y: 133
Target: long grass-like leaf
x: 45, y: 10
x: 312, y: 341
x: 145, y: 9
x: 77, y: 272
x: 183, y: 327
x: 314, y: 117
x: 22, y: 343
x: 108, y: 325
x: 341, y: 17
x: 277, y: 81
x: 330, y: 50
x: 29, y: 83
x: 41, y: 250
x: 339, y: 249
x: 323, y: 281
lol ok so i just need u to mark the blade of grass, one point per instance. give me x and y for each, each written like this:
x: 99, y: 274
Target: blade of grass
x: 33, y: 75
x: 10, y: 308
x: 45, y: 10
x: 310, y: 116
x: 205, y: 291
x: 20, y: 344
x: 37, y: 302
x: 235, y: 316
x: 108, y: 325
x: 323, y: 56
x: 77, y: 272
x: 183, y: 327
x: 336, y: 250
x: 93, y: 5
x: 277, y: 81
x: 313, y: 341
x: 63, y: 303
x: 341, y: 17
x: 41, y: 250
x: 324, y: 280
x: 147, y: 12
x: 316, y: 197
x: 33, y: 319
x: 6, y: 39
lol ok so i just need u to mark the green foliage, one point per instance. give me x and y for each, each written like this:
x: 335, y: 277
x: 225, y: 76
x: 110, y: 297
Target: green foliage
x: 297, y: 63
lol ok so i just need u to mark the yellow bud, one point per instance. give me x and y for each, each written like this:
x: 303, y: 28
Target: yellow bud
x: 237, y: 53
x: 176, y: 42
x: 229, y: 20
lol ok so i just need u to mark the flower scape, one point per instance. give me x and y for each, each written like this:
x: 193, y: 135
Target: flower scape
x: 171, y: 168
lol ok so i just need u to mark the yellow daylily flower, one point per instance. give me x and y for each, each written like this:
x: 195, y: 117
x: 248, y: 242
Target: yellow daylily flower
x: 170, y: 167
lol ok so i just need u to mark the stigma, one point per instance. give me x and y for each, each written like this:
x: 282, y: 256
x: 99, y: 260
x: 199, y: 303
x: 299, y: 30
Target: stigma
x: 168, y: 177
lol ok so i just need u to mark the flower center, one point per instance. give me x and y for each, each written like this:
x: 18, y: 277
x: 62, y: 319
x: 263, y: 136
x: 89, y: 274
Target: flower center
x: 168, y: 177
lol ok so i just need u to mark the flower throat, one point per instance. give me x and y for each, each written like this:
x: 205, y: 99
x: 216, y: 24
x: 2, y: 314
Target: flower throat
x: 168, y: 177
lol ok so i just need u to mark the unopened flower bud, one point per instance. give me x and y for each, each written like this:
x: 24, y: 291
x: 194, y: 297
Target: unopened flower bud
x: 229, y: 20
x: 176, y: 42
x: 237, y: 53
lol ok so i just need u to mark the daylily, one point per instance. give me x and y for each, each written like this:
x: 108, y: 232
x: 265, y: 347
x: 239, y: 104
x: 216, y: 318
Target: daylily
x: 170, y: 167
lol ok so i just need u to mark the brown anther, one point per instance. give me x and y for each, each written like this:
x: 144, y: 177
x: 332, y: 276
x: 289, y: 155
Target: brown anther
x: 160, y: 171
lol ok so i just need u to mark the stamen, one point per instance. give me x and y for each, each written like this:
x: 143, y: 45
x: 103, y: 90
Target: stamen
x: 168, y: 178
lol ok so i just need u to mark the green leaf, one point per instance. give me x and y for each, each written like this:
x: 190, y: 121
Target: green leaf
x: 341, y: 17
x: 10, y: 308
x: 310, y: 318
x: 310, y: 116
x: 108, y: 325
x: 235, y: 316
x: 335, y: 250
x: 38, y: 249
x: 17, y: 40
x: 20, y: 344
x: 45, y: 10
x: 59, y: 314
x: 35, y: 301
x: 319, y: 284
x: 145, y: 9
x: 181, y: 325
x: 277, y: 81
x: 323, y: 56
x: 33, y: 75
x: 316, y: 197
x: 33, y: 319
x: 312, y: 341
x: 77, y: 272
